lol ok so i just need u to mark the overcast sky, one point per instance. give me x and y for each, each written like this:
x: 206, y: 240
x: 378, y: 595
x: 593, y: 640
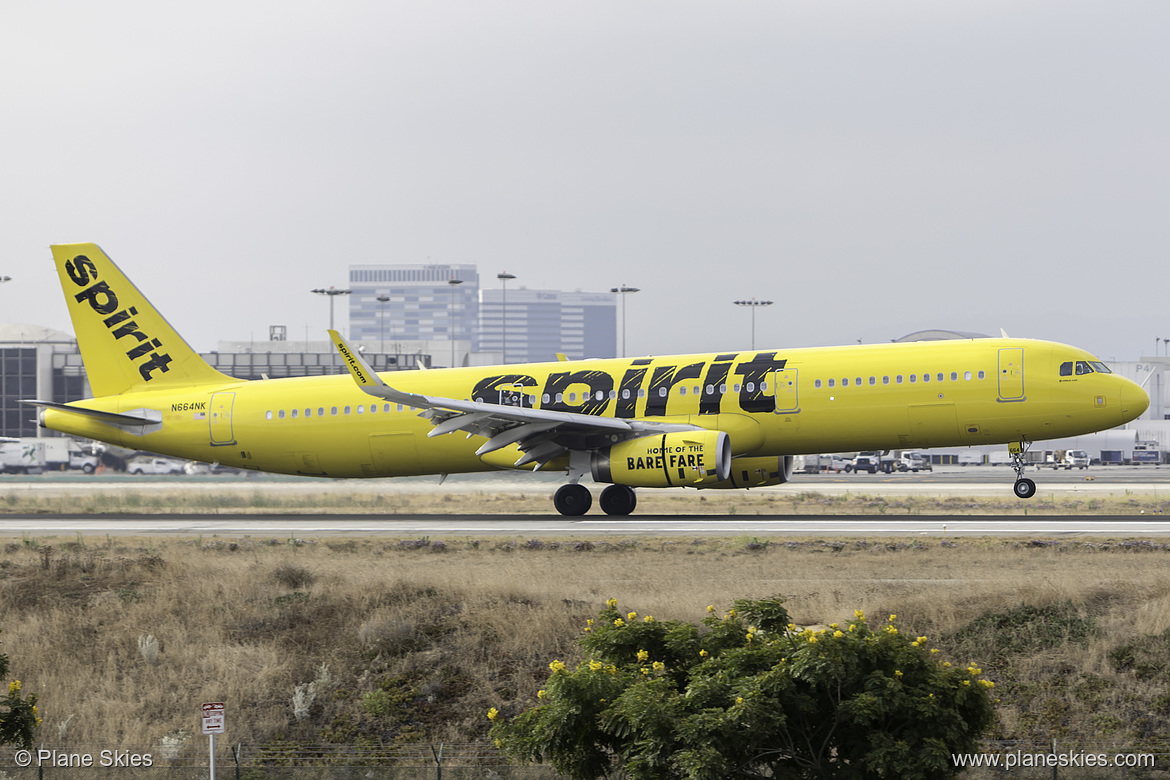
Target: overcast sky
x: 874, y: 167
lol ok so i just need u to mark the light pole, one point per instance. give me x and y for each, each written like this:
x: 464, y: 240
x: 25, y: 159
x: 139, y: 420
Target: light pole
x: 622, y: 291
x: 332, y: 292
x: 451, y: 316
x: 382, y: 326
x: 504, y: 277
x: 753, y: 304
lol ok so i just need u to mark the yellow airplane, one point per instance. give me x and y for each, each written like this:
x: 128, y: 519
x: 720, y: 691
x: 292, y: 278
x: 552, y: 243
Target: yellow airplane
x: 725, y: 420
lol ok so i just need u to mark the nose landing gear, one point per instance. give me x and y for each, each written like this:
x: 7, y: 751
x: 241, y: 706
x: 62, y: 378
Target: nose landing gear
x: 1024, y: 487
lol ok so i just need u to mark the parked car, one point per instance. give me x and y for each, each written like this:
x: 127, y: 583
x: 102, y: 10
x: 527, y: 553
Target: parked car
x: 867, y: 462
x: 147, y: 465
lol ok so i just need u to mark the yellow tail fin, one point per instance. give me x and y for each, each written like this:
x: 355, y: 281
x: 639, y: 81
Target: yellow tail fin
x: 125, y: 343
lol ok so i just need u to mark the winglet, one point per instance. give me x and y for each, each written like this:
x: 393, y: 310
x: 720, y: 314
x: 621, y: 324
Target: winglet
x: 359, y: 369
x: 365, y: 377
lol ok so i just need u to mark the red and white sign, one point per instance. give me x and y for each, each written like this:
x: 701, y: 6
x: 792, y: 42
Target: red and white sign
x: 213, y: 717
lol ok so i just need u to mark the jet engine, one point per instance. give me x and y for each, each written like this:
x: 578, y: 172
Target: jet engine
x: 757, y: 472
x: 681, y: 459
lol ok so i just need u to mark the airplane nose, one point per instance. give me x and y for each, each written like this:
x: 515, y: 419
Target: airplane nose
x: 1134, y: 401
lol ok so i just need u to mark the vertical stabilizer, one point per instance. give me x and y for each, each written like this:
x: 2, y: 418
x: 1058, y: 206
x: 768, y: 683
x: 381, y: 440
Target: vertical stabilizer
x: 125, y: 343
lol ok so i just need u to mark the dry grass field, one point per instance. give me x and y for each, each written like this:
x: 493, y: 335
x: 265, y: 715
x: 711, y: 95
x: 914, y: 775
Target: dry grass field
x: 395, y: 641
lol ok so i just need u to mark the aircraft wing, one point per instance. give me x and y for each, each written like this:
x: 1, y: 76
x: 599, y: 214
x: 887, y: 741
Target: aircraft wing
x: 540, y: 434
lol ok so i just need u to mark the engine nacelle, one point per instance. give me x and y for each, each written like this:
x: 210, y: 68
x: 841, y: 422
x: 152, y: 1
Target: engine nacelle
x: 686, y: 459
x: 757, y: 472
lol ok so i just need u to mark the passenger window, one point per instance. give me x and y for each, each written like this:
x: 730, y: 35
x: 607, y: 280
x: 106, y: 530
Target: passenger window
x: 830, y: 383
x: 572, y: 397
x: 308, y: 413
x: 954, y: 376
x: 268, y: 415
x: 294, y: 414
x: 333, y: 411
x: 696, y: 389
x: 722, y: 389
x: 347, y: 410
x: 625, y: 394
x: 899, y: 379
x: 682, y: 390
x: 545, y: 398
x: 600, y: 395
x: 873, y: 380
x: 885, y: 380
x: 913, y: 378
x: 845, y: 382
x: 763, y: 387
x: 751, y: 386
x: 816, y: 384
x: 982, y: 375
x: 967, y: 375
x: 399, y: 408
x: 361, y: 408
x: 926, y: 377
x: 859, y: 381
x: 710, y: 389
x: 940, y: 377
x: 737, y: 385
x: 662, y: 392
x: 280, y: 414
x: 641, y: 392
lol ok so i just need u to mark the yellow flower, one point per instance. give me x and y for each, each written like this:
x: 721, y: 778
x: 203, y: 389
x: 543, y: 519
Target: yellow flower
x: 710, y: 607
x: 493, y: 713
x: 966, y: 682
x: 812, y: 640
x: 702, y: 653
x: 645, y: 670
x: 658, y: 666
x: 596, y: 665
x: 933, y: 650
x: 858, y: 614
x: 987, y: 683
x: 914, y: 644
x: 557, y: 666
x: 632, y: 616
x: 750, y: 637
x: 922, y: 640
x: 898, y: 673
x: 589, y: 622
x: 838, y: 634
x: 540, y: 694
x: 619, y: 622
x: 893, y: 618
x: 14, y: 688
x: 791, y: 626
x: 643, y: 655
x: 946, y: 664
x: 611, y: 603
x: 891, y: 630
x: 739, y: 700
x: 834, y: 625
x: 852, y: 627
x: 648, y: 619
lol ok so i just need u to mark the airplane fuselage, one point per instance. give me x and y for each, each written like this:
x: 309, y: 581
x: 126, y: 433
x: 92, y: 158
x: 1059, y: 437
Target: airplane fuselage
x: 770, y: 403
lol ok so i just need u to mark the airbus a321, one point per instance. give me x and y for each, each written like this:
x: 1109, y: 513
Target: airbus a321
x: 711, y: 421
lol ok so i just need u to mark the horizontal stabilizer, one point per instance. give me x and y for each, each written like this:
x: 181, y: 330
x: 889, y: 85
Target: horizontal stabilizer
x: 137, y: 418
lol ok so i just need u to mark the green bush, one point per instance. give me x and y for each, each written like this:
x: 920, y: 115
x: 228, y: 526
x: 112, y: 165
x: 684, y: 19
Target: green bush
x: 747, y: 694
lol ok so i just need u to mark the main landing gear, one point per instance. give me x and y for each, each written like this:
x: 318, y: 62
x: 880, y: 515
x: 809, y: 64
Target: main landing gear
x: 1024, y: 487
x: 574, y: 500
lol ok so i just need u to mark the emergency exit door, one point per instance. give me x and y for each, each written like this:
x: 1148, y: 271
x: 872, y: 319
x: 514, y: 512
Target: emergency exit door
x: 219, y: 418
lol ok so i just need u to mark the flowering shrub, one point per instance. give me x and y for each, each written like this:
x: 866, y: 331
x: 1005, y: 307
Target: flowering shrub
x: 18, y: 712
x: 748, y: 694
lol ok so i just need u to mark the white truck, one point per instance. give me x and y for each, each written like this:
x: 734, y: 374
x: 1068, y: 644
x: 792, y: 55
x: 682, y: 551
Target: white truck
x: 147, y: 464
x: 31, y: 455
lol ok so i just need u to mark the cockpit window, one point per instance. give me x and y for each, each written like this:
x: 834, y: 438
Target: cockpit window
x: 1084, y: 367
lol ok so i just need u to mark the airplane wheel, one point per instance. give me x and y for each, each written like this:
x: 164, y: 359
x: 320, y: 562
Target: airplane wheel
x: 572, y: 500
x: 618, y: 500
x: 1024, y: 488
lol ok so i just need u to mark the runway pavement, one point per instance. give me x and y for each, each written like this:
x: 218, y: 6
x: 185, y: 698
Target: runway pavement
x: 302, y: 526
